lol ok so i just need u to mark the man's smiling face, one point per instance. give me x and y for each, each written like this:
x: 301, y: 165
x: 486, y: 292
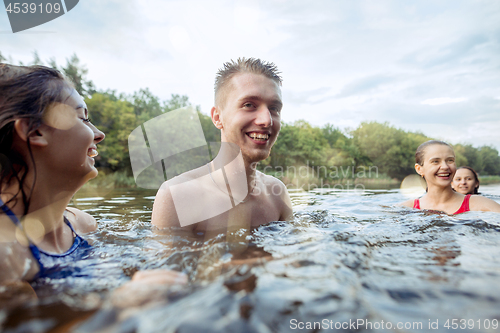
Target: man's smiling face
x: 250, y: 115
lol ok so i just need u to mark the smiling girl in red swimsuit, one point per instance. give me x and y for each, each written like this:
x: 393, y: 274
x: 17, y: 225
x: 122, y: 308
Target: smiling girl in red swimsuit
x: 435, y: 162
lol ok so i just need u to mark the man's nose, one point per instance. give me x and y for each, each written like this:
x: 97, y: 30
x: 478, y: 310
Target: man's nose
x: 263, y: 117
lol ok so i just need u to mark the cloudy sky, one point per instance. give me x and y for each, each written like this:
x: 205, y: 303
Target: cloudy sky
x: 429, y: 66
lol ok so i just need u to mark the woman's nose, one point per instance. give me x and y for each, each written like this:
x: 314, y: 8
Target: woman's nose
x: 98, y: 135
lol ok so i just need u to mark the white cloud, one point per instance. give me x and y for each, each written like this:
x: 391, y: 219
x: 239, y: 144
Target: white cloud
x: 443, y: 100
x: 422, y: 65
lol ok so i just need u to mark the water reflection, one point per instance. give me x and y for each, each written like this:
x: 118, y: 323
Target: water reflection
x: 346, y: 256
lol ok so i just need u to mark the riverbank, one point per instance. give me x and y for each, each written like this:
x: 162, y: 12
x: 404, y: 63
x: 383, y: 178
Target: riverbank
x: 485, y: 180
x: 120, y: 179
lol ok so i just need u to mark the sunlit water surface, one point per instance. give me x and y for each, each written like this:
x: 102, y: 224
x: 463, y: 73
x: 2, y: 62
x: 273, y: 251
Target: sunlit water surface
x: 348, y: 256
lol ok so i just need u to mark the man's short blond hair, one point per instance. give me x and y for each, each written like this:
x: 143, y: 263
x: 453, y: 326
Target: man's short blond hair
x: 242, y: 65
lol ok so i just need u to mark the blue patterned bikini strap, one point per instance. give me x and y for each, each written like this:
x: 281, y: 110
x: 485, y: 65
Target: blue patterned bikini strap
x: 10, y: 213
x: 70, y: 226
x: 34, y: 250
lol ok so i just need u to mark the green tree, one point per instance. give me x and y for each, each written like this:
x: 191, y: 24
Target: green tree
x: 212, y: 133
x: 52, y: 63
x: 334, y: 136
x: 176, y: 102
x: 490, y: 159
x: 146, y: 105
x: 299, y: 144
x: 343, y: 150
x: 116, y: 118
x: 281, y: 152
x: 392, y: 150
x: 471, y: 157
x: 77, y: 74
x: 36, y: 59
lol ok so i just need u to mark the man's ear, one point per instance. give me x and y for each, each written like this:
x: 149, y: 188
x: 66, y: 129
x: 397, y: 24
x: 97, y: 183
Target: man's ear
x: 37, y: 138
x: 216, y: 117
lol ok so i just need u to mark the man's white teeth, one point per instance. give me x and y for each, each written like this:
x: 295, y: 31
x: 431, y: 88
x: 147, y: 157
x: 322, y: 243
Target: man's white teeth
x: 259, y: 136
x: 92, y: 152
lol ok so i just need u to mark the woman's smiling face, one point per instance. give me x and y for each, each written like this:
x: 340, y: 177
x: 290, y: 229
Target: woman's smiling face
x: 464, y: 181
x: 438, y: 165
x: 73, y: 137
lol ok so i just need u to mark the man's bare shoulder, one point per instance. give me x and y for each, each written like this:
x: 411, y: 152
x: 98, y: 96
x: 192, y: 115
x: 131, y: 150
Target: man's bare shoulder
x: 277, y: 190
x: 269, y: 180
x: 164, y: 210
x: 164, y: 214
x: 186, y: 176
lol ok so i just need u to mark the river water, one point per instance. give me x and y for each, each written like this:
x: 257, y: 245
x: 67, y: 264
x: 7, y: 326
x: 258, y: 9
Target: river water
x: 349, y: 261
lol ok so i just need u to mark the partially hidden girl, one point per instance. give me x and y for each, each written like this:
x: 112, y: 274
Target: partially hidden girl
x: 466, y: 181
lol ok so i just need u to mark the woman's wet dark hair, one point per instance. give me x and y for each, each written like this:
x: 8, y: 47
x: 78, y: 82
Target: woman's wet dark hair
x: 476, y: 177
x: 419, y: 154
x: 25, y: 92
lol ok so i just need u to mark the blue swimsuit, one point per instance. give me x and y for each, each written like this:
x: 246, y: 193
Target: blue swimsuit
x: 55, y: 265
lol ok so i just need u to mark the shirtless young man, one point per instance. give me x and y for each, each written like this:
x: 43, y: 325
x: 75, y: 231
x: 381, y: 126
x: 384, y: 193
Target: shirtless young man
x: 228, y: 193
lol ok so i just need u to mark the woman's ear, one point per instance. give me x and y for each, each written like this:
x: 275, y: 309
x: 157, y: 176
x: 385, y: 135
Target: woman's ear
x: 418, y: 169
x: 37, y: 137
x: 216, y: 117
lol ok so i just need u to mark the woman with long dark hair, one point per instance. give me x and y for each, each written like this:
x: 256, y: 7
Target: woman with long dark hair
x: 47, y: 150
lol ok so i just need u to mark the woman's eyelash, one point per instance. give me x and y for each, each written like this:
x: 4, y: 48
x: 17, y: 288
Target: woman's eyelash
x: 87, y: 120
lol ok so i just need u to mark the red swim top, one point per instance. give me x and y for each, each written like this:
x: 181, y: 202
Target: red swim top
x: 464, y: 208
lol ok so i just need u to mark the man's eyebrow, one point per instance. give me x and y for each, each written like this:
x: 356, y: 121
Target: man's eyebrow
x: 258, y: 98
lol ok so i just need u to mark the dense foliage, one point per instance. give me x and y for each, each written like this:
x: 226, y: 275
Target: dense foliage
x: 335, y: 153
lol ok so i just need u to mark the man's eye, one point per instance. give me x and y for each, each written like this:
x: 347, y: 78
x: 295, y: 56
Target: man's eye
x: 248, y: 105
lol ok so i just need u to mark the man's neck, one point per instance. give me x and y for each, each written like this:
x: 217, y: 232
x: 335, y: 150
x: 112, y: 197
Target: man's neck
x: 234, y: 164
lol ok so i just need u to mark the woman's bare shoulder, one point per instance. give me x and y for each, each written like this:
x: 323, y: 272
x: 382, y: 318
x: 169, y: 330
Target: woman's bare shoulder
x: 407, y: 203
x: 480, y: 203
x: 82, y: 222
